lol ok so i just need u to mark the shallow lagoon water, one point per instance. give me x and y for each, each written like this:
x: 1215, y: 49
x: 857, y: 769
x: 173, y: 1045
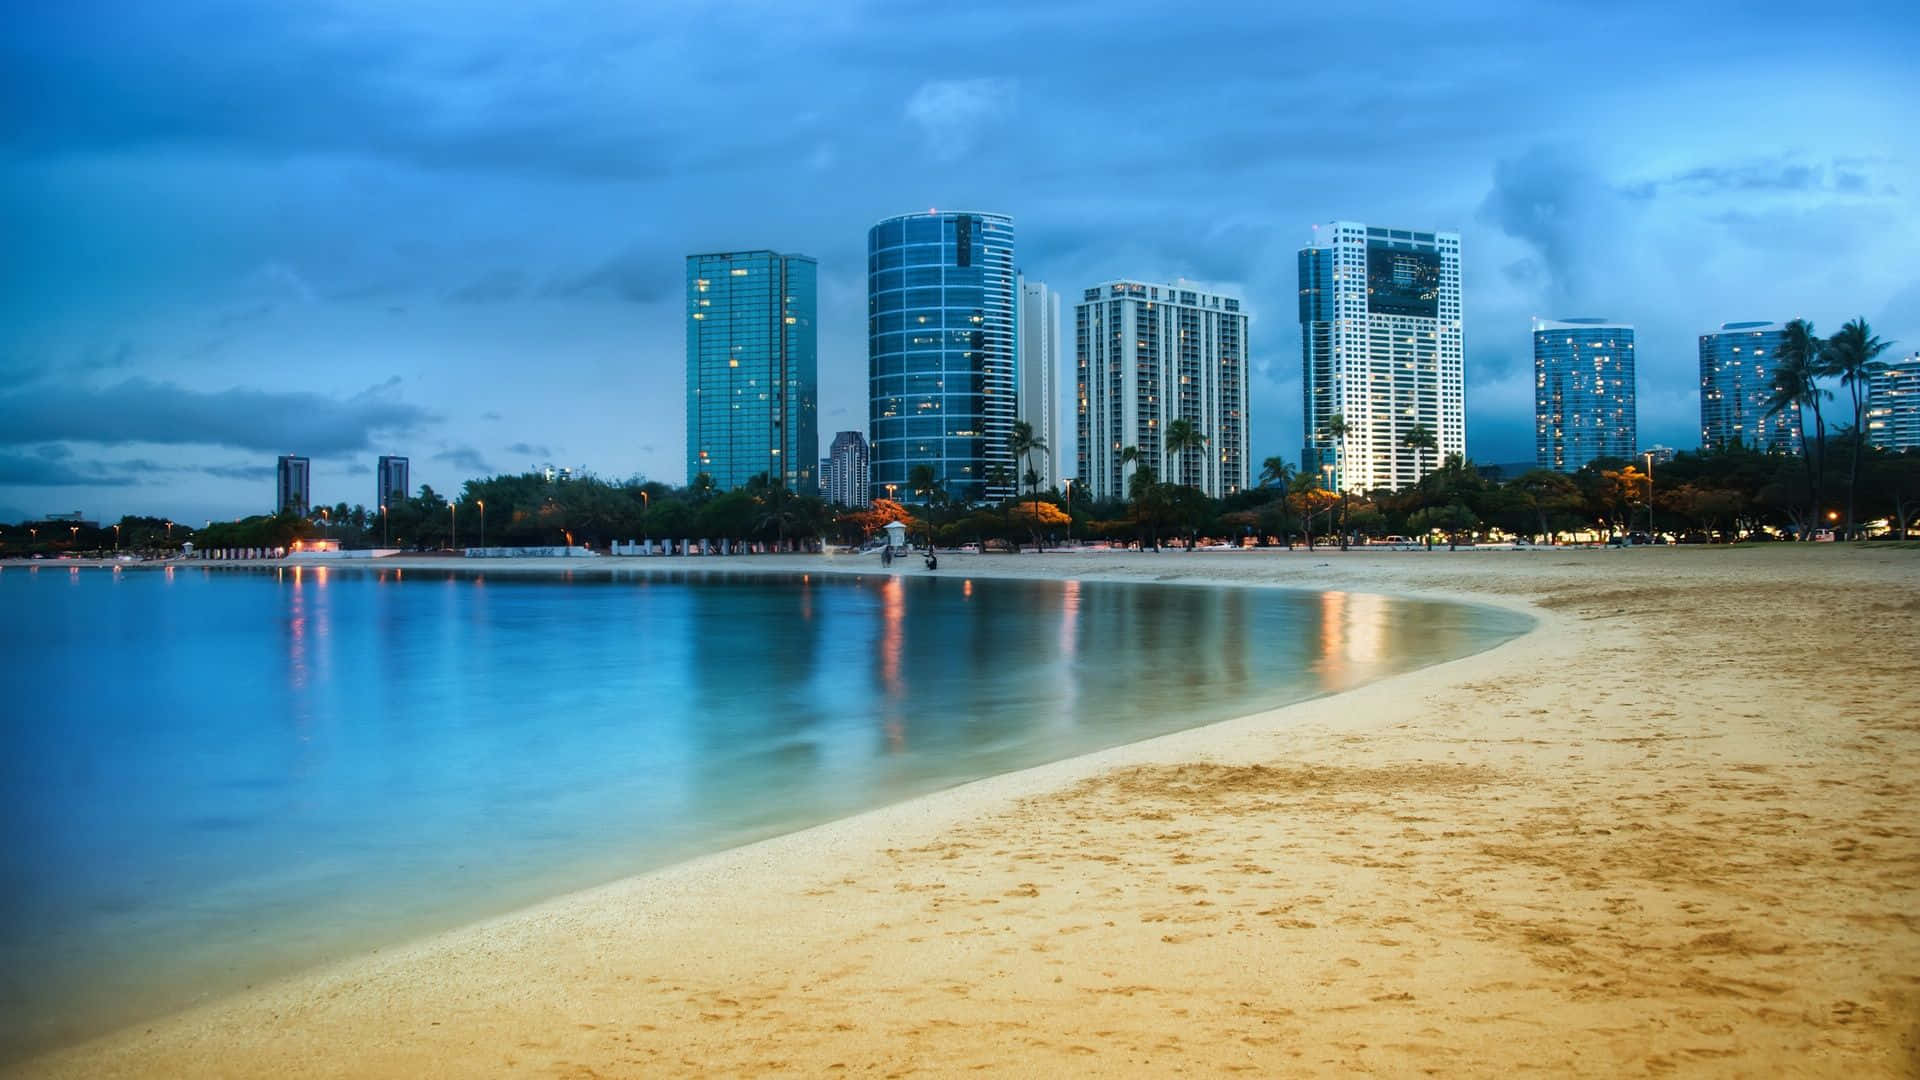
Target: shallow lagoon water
x: 212, y: 777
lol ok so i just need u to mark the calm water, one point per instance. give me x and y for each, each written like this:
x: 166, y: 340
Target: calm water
x: 211, y: 777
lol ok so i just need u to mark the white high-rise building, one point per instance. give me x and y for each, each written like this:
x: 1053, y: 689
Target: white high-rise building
x: 1382, y: 348
x: 1038, y: 388
x: 1893, y: 406
x: 1146, y: 356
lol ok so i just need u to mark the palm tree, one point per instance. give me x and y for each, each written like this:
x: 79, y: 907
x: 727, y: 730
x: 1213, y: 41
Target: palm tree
x: 1337, y: 430
x: 1183, y: 435
x: 1024, y: 444
x: 922, y: 481
x: 1143, y: 492
x: 1852, y: 355
x: 779, y: 507
x: 1275, y: 472
x: 1798, y: 361
x: 1419, y: 437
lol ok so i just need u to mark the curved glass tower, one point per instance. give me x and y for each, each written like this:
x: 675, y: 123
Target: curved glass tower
x: 940, y: 349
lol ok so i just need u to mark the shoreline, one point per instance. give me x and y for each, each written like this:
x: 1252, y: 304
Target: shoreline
x: 691, y: 904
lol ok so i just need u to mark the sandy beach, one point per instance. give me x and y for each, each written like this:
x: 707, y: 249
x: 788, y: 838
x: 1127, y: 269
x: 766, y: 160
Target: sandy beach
x: 1671, y: 830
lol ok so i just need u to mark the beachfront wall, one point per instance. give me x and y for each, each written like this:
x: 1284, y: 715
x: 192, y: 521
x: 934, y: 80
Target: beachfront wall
x: 237, y: 554
x: 709, y: 547
x: 555, y: 552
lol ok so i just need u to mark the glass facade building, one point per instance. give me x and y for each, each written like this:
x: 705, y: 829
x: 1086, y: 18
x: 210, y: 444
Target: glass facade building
x: 1736, y: 379
x: 752, y: 369
x: 941, y: 303
x: 293, y: 476
x: 391, y: 481
x: 1583, y: 393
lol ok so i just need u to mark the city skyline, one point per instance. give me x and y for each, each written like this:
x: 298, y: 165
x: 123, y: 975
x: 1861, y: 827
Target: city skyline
x: 398, y: 242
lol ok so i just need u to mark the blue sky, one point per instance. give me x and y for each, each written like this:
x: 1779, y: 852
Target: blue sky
x: 455, y: 230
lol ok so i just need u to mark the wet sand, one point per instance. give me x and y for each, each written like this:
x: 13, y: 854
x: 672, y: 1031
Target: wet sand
x: 1671, y: 830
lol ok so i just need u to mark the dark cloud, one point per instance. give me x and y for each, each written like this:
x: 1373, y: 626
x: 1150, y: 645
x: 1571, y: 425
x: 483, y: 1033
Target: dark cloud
x: 1769, y: 176
x: 24, y: 470
x: 635, y: 275
x: 147, y: 411
x: 241, y: 472
x: 1555, y: 201
x: 465, y: 457
x: 1775, y: 176
x: 529, y: 450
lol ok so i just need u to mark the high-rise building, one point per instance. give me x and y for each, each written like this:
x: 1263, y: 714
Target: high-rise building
x: 1583, y: 397
x: 1146, y: 356
x: 1736, y: 379
x: 826, y: 466
x: 1039, y: 390
x: 941, y: 353
x: 752, y: 369
x: 294, y: 492
x: 392, y: 486
x: 1893, y: 406
x: 848, y: 470
x: 1382, y: 348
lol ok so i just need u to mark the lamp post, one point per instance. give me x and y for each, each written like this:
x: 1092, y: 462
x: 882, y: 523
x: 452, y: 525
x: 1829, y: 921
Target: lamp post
x: 482, y: 504
x: 1649, y: 456
x: 326, y: 519
x: 453, y: 527
x: 1069, y: 485
x: 890, y: 488
x: 169, y: 534
x: 384, y: 542
x: 116, y: 538
x: 73, y: 535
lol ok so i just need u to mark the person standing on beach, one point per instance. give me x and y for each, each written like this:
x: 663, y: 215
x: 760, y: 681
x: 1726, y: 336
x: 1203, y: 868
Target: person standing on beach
x: 886, y: 555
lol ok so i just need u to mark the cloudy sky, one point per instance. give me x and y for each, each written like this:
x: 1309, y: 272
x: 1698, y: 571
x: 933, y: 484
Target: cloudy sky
x: 454, y: 229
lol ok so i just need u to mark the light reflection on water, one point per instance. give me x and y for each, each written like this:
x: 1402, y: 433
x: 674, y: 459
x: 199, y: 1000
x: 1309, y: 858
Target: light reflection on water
x: 211, y: 777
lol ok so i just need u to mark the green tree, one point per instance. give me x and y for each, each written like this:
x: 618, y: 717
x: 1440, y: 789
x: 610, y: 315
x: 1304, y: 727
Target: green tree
x: 1183, y: 437
x: 1549, y: 495
x: 923, y: 481
x: 1337, y: 430
x: 1797, y: 363
x: 1853, y: 356
x: 1024, y: 444
x: 1419, y: 438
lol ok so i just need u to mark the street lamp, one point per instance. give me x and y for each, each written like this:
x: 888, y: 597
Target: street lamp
x: 169, y: 533
x: 1069, y: 485
x: 384, y: 542
x: 453, y: 527
x: 890, y: 488
x: 116, y: 538
x: 482, y: 504
x: 326, y: 519
x: 73, y: 535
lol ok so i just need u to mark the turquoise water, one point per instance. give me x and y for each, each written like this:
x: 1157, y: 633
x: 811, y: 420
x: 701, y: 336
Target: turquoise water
x: 208, y: 778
